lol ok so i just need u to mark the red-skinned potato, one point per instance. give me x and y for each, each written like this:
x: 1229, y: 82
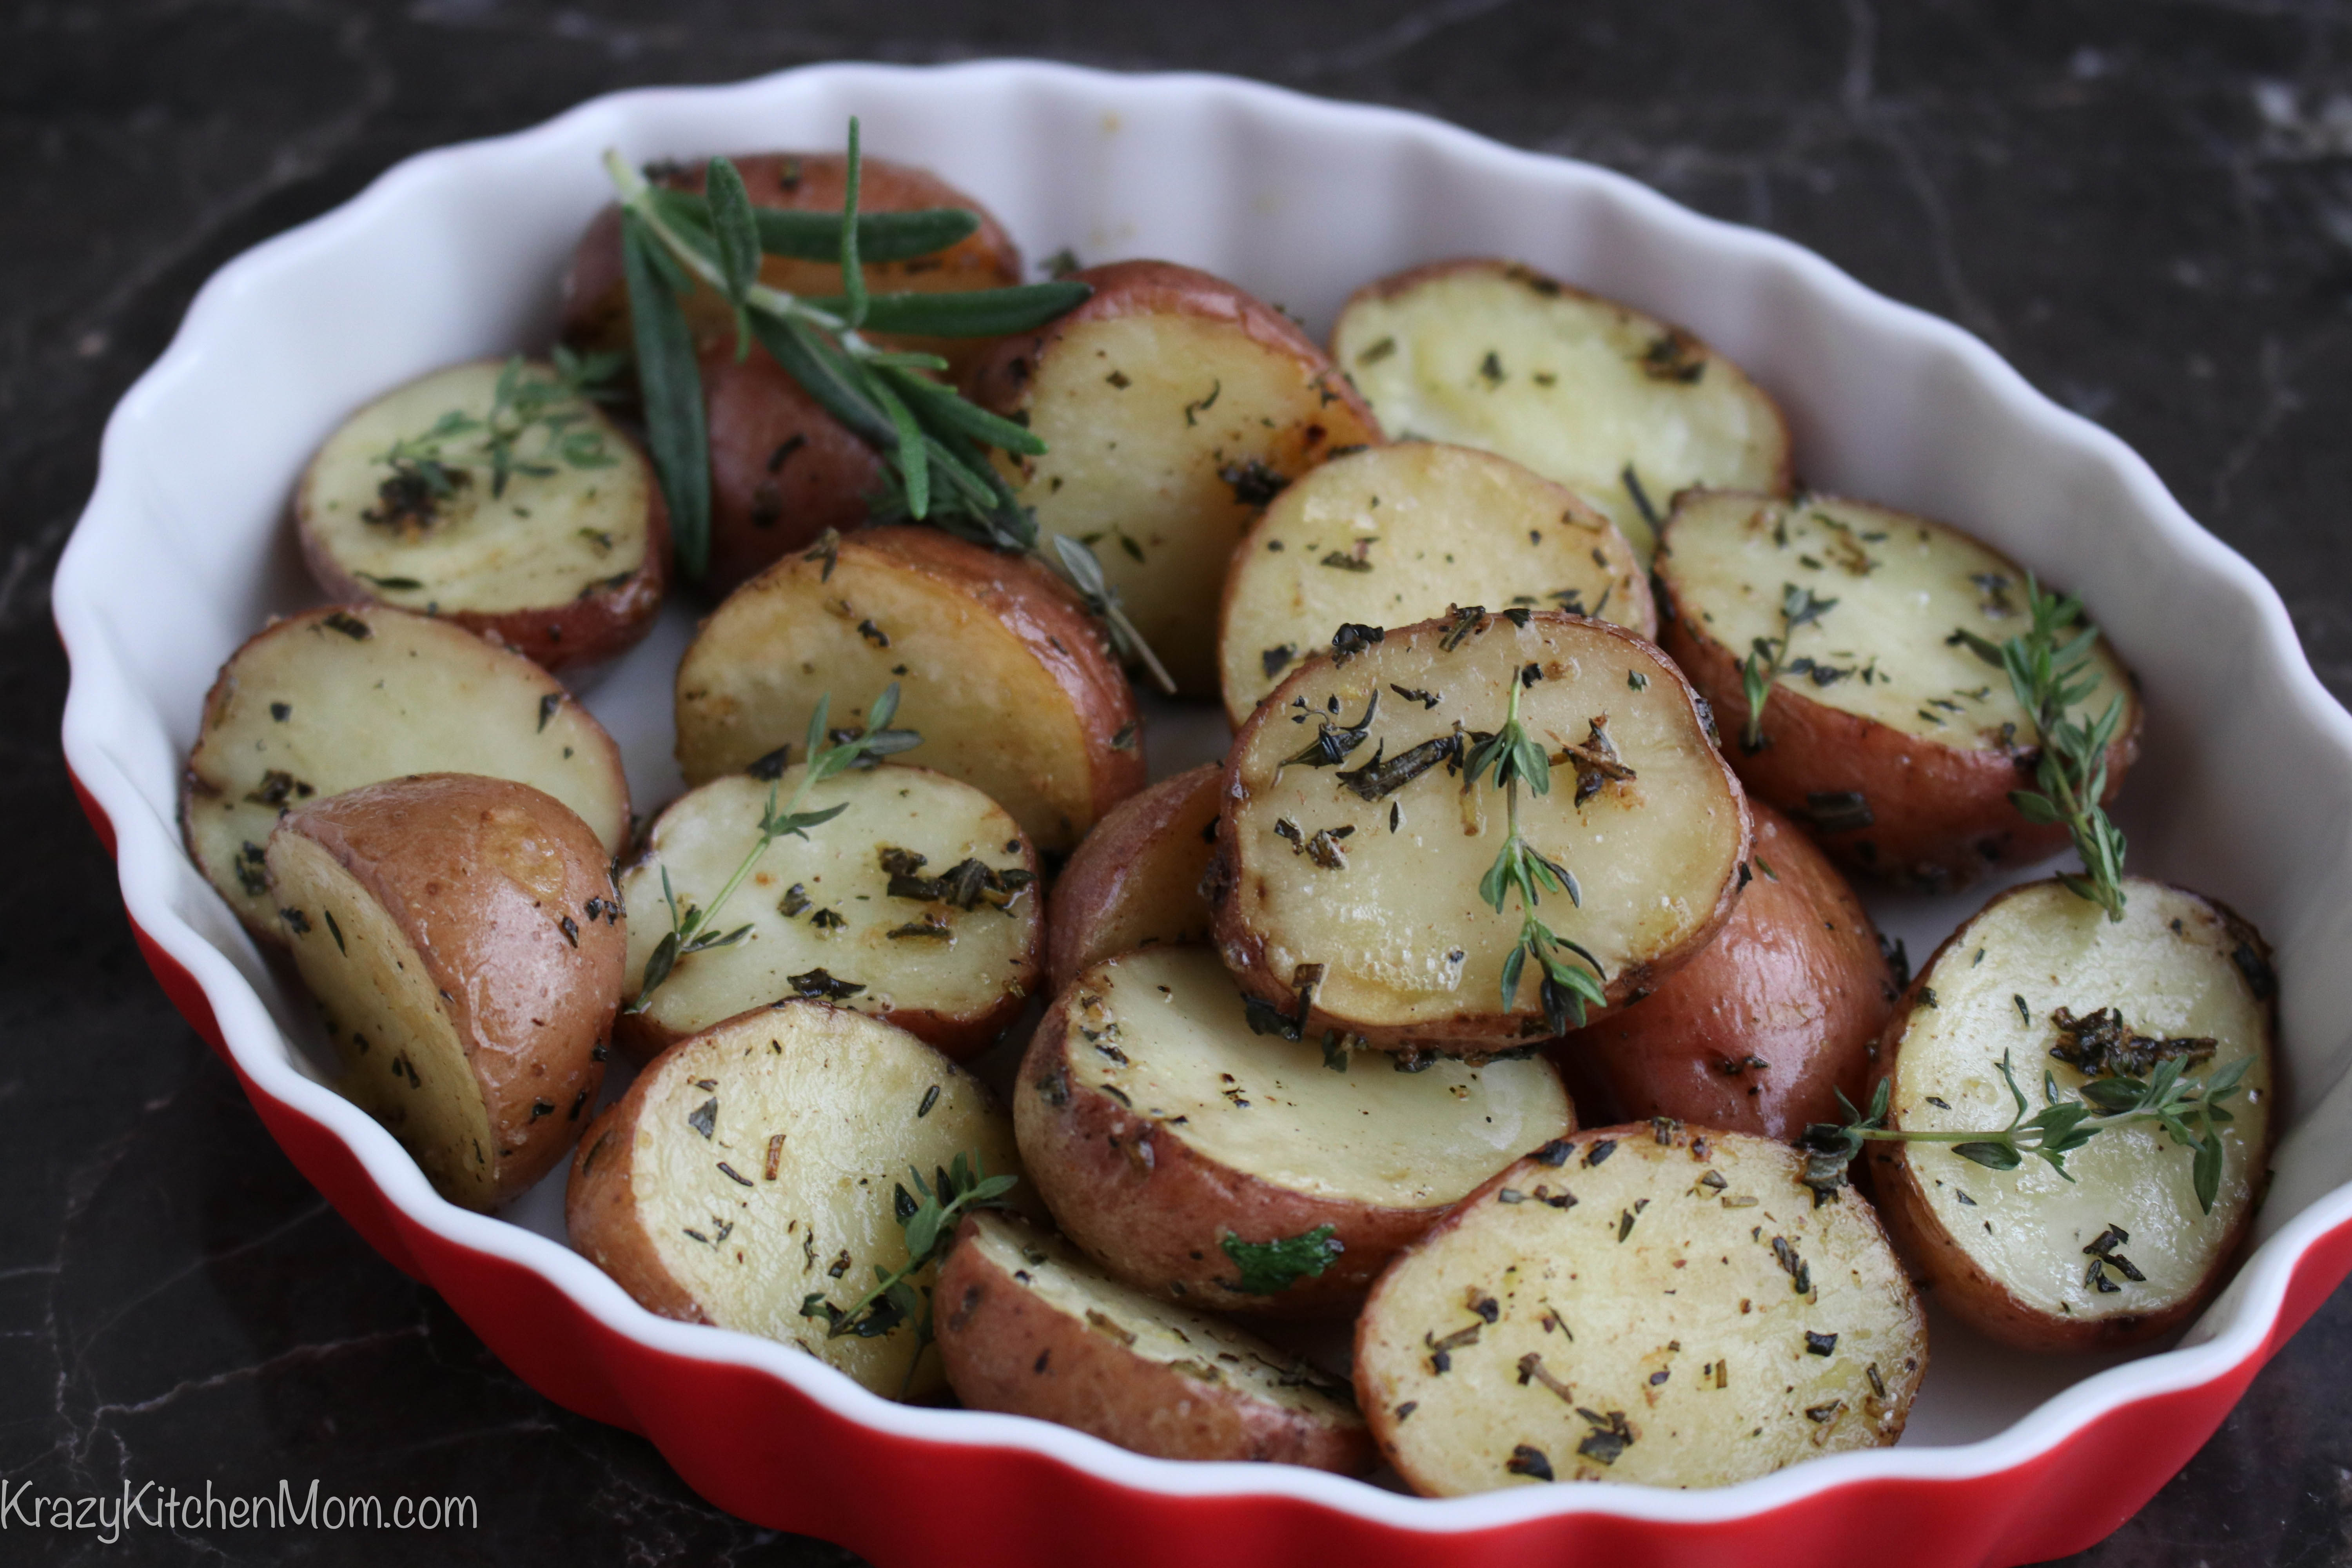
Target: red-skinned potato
x: 1352, y: 867
x: 463, y: 938
x: 1783, y: 1009
x: 1006, y: 678
x: 564, y: 560
x: 783, y: 470
x: 1029, y: 1325
x: 1882, y: 733
x: 1175, y: 406
x: 1203, y: 1162
x: 595, y: 298
x: 2116, y: 1250
x: 1136, y: 880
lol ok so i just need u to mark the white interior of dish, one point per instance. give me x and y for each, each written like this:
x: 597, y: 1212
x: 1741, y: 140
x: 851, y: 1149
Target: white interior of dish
x: 2244, y: 792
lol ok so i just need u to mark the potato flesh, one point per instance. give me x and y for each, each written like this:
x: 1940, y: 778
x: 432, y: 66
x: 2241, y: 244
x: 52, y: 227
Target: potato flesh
x: 2026, y: 1227
x: 403, y: 1062
x: 548, y: 539
x: 1632, y: 1299
x: 1271, y: 1108
x: 1402, y: 931
x: 1422, y: 358
x: 413, y: 696
x: 834, y: 874
x: 1901, y: 586
x: 1194, y: 1344
x: 988, y: 713
x: 837, y: 1106
x: 1136, y: 468
x: 1397, y: 534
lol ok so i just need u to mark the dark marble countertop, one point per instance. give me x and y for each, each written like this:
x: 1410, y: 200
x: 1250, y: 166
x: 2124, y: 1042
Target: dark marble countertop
x: 2145, y: 206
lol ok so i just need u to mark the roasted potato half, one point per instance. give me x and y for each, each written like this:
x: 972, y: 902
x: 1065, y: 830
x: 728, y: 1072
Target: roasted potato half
x: 1028, y: 1325
x: 349, y: 695
x: 2043, y: 981
x: 1203, y: 1162
x: 751, y: 1173
x: 563, y: 552
x: 595, y: 295
x: 918, y: 903
x: 1881, y: 731
x: 1648, y: 1303
x: 1776, y: 1015
x: 783, y: 470
x: 1395, y: 534
x: 1175, y: 406
x: 464, y: 941
x: 1010, y: 684
x: 1350, y: 859
x: 1620, y: 406
x: 1136, y: 880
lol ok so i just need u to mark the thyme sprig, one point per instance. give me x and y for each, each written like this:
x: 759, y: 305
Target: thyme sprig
x: 429, y: 466
x: 934, y: 444
x: 1566, y: 986
x: 929, y: 1221
x: 1766, y: 656
x: 694, y: 929
x: 2191, y: 1113
x: 2050, y: 677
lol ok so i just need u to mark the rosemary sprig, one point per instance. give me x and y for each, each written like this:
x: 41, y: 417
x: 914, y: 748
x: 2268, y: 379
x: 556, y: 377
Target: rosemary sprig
x: 2190, y: 1110
x: 929, y: 1224
x: 1798, y: 607
x: 428, y: 468
x: 934, y: 444
x: 2049, y: 678
x: 1566, y: 987
x: 694, y: 929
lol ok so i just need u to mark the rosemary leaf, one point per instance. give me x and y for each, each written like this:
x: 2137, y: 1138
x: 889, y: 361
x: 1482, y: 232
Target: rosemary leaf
x: 853, y: 275
x: 671, y: 385
x: 826, y: 374
x: 736, y: 241
x: 973, y: 313
x: 881, y: 237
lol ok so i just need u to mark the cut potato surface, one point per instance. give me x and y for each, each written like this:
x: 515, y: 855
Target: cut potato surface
x: 1392, y: 535
x: 1204, y: 1163
x: 1353, y: 881
x: 564, y: 556
x: 2122, y: 1252
x: 1881, y: 730
x: 1175, y: 406
x: 918, y: 904
x: 1028, y: 1325
x: 1007, y: 681
x: 1645, y: 1303
x: 1774, y: 1017
x: 463, y: 939
x: 755, y: 1166
x: 1136, y: 880
x: 336, y: 698
x: 1580, y: 389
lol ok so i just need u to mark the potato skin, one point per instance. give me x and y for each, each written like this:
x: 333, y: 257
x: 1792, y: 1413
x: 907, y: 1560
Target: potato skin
x: 1941, y: 814
x: 595, y: 306
x: 1092, y: 1159
x: 1966, y: 1287
x: 1775, y: 1015
x: 783, y: 470
x: 600, y: 1216
x: 1136, y: 879
x: 997, y: 1340
x: 455, y: 858
x: 595, y: 627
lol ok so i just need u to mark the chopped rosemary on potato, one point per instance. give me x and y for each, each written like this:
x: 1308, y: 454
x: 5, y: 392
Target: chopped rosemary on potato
x: 695, y: 928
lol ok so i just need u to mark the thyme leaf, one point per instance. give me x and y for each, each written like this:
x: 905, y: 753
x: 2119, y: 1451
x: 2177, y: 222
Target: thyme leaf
x: 929, y: 1222
x: 1569, y: 977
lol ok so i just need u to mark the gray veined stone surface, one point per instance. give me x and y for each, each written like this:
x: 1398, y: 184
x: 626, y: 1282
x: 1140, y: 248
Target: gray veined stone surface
x: 2147, y: 207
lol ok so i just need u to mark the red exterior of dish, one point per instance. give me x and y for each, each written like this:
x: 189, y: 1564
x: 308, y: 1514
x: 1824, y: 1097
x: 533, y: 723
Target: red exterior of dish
x: 811, y: 1470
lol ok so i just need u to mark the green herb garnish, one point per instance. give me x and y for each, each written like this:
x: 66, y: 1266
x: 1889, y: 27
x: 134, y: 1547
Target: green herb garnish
x: 928, y: 1221
x: 429, y: 467
x: 934, y: 444
x: 2049, y: 678
x: 695, y: 928
x: 1269, y: 1268
x: 1566, y: 987
x: 1766, y: 656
